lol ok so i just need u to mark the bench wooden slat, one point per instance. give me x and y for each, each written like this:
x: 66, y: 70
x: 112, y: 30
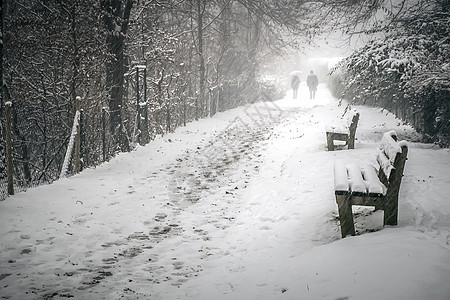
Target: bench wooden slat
x: 368, y: 200
x: 341, y: 185
x: 337, y: 136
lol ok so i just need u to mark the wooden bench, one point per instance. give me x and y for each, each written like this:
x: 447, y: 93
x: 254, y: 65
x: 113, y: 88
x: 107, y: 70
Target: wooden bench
x: 343, y: 132
x: 362, y: 184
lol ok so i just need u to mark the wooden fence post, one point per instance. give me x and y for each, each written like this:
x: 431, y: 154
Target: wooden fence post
x: 9, y: 161
x: 145, y: 133
x: 82, y: 135
x: 77, y: 167
x: 138, y: 110
x: 184, y: 108
x: 70, y: 146
x: 145, y: 139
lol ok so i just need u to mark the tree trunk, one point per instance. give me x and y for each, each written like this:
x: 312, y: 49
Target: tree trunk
x: 2, y: 82
x: 255, y: 36
x: 75, y: 58
x: 429, y: 117
x: 9, y: 161
x: 117, y: 14
x: 201, y: 6
x: 2, y: 145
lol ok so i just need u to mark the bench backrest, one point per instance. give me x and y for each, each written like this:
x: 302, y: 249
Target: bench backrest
x: 352, y: 130
x: 353, y: 121
x: 391, y: 157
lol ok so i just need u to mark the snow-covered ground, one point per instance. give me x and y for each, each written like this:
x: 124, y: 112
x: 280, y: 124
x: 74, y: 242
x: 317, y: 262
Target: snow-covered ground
x: 237, y: 206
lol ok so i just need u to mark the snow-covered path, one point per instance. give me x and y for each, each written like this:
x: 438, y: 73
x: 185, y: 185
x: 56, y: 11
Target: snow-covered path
x: 238, y: 206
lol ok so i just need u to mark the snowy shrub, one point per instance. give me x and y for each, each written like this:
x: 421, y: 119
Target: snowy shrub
x: 270, y: 88
x: 406, y: 72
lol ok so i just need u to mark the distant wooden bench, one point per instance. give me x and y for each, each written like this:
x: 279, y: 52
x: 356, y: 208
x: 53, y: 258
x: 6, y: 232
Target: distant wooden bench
x: 362, y: 184
x: 343, y: 132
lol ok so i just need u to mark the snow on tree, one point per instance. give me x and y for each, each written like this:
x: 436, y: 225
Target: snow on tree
x: 406, y: 72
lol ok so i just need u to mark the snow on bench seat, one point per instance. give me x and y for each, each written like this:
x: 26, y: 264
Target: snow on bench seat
x: 373, y: 184
x: 337, y: 128
x: 357, y: 179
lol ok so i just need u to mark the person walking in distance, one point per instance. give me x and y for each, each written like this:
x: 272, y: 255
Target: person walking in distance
x: 312, y: 82
x: 295, y: 82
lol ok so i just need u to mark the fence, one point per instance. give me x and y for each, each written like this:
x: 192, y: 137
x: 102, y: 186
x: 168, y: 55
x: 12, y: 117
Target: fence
x: 90, y: 141
x: 74, y: 159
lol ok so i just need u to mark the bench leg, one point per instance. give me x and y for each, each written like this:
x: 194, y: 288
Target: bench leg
x: 391, y: 211
x: 345, y: 215
x: 330, y: 143
x: 351, y: 142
